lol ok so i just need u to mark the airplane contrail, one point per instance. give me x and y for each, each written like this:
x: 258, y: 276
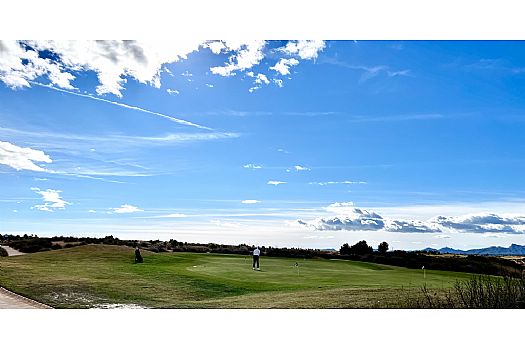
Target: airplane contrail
x: 123, y: 105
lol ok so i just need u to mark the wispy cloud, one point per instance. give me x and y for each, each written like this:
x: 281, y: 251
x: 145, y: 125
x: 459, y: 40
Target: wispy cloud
x: 250, y: 201
x: 123, y: 105
x: 173, y: 216
x: 368, y: 72
x: 20, y: 158
x: 90, y: 156
x: 496, y: 65
x: 326, y: 183
x: 56, y: 140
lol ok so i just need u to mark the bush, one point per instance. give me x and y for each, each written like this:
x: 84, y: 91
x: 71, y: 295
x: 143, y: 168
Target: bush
x: 32, y: 245
x: 480, y: 292
x: 3, y: 252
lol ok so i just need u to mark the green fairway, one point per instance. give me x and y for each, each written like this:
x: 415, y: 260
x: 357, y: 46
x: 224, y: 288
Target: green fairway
x: 94, y: 275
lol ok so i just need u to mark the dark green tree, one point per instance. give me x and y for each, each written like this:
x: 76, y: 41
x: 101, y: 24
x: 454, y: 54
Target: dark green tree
x: 345, y: 249
x: 360, y: 248
x: 382, y: 248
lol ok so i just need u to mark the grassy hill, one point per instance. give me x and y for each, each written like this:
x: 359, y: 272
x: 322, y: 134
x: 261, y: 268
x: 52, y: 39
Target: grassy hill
x: 98, y: 275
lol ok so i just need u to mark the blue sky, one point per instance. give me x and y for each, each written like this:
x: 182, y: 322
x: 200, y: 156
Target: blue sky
x: 299, y: 143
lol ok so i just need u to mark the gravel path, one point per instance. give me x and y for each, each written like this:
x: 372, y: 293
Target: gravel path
x: 10, y: 300
x: 10, y: 251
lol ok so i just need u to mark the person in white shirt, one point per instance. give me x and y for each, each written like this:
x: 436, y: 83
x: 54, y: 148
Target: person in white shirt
x: 256, y: 253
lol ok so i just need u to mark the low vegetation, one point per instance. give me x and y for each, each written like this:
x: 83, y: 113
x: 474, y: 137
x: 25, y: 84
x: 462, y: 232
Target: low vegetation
x: 479, y: 292
x: 3, y: 252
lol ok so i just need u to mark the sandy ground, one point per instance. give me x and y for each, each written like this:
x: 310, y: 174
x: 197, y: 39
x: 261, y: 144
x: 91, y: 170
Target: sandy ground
x: 10, y: 251
x: 9, y: 300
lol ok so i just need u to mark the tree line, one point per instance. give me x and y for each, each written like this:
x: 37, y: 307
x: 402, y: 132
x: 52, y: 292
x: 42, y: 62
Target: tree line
x: 359, y: 251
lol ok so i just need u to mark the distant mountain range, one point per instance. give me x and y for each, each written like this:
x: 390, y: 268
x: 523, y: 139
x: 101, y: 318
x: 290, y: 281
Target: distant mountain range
x: 514, y: 249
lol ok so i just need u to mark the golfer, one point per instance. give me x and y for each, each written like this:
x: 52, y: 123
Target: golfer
x: 256, y: 253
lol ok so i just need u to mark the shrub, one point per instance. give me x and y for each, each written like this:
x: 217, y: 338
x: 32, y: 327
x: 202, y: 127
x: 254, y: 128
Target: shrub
x: 3, y: 252
x: 32, y: 245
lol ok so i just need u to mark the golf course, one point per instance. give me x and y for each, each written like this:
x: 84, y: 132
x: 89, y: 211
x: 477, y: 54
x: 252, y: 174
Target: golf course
x: 105, y: 276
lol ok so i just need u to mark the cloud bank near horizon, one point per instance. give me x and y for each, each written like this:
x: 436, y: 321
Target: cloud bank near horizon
x: 350, y: 218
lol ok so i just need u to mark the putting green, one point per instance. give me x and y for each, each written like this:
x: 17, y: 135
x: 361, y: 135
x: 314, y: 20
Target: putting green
x: 100, y: 276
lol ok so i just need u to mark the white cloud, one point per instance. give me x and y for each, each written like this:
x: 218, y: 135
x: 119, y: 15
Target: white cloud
x: 250, y: 201
x: 278, y: 82
x: 284, y: 64
x: 209, y: 85
x: 411, y: 226
x: 92, y: 211
x: 172, y: 92
x: 301, y: 168
x: 275, y: 183
x: 341, y: 207
x: 52, y: 199
x: 126, y: 209
x: 305, y: 49
x: 22, y: 63
x: 112, y: 61
x: 442, y: 236
x: 20, y: 158
x: 245, y: 57
x: 216, y: 46
x: 19, y: 66
x: 252, y: 166
x: 350, y: 218
x: 361, y: 222
x: 260, y: 79
x: 483, y: 223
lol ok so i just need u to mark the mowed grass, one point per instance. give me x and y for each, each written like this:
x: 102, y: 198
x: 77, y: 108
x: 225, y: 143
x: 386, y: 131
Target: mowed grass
x: 98, y: 275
